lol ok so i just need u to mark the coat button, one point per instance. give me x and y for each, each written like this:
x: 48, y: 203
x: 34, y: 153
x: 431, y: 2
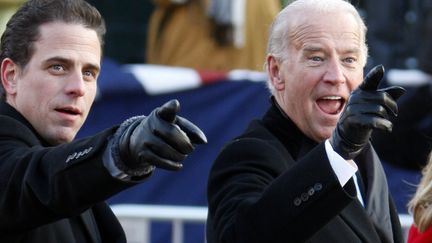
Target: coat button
x: 311, y: 191
x: 304, y: 197
x: 297, y: 201
x: 318, y: 187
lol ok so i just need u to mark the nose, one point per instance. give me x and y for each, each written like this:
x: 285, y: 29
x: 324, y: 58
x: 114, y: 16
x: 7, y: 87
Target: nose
x: 334, y: 73
x: 75, y: 85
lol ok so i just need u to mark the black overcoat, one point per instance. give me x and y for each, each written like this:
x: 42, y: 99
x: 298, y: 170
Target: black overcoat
x: 274, y: 185
x: 54, y: 194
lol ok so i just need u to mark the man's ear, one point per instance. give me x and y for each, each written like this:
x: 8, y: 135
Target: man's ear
x: 9, y: 76
x: 274, y: 71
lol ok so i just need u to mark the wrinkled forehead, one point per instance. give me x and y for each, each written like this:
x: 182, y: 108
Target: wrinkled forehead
x: 336, y: 25
x: 340, y: 29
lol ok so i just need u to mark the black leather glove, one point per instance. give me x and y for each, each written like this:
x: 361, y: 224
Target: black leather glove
x: 161, y: 140
x: 368, y: 108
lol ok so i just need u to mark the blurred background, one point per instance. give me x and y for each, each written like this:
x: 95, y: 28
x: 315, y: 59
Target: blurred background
x: 212, y: 62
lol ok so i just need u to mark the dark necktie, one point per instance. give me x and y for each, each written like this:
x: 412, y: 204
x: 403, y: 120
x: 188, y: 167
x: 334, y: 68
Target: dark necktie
x: 361, y: 186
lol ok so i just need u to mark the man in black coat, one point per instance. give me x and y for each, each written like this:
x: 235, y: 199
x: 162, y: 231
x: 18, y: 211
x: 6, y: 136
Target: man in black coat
x: 306, y: 171
x: 52, y: 187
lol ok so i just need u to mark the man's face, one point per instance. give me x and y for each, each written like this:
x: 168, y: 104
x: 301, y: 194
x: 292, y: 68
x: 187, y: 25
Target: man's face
x: 57, y: 87
x: 322, y: 69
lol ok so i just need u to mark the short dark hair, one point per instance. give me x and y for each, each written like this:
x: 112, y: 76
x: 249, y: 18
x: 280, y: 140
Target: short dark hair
x: 22, y: 30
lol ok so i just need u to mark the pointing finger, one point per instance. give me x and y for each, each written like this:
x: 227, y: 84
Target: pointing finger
x: 169, y: 110
x: 373, y: 78
x: 193, y: 132
x: 394, y: 91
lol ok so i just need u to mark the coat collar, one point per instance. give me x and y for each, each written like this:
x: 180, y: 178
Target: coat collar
x: 86, y: 217
x: 90, y: 226
x: 377, y: 201
x: 281, y: 126
x: 8, y: 110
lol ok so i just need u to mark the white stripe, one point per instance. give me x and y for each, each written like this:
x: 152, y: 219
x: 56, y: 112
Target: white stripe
x: 157, y: 79
x: 238, y: 17
x: 408, y: 77
x: 242, y: 74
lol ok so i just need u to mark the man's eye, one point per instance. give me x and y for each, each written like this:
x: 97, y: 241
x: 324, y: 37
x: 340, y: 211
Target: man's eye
x: 350, y: 60
x: 316, y: 59
x: 57, y: 67
x: 90, y: 75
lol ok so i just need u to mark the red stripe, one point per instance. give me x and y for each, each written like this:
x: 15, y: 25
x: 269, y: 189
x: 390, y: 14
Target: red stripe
x: 208, y: 77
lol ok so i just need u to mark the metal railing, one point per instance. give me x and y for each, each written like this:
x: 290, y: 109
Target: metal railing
x: 136, y: 220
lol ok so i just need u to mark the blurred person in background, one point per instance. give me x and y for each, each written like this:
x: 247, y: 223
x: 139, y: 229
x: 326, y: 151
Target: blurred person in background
x: 412, y: 131
x: 218, y: 35
x: 421, y: 207
x: 126, y: 22
x: 395, y: 27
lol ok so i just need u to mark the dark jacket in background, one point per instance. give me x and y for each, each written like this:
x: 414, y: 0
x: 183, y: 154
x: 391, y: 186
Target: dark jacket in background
x: 400, y: 37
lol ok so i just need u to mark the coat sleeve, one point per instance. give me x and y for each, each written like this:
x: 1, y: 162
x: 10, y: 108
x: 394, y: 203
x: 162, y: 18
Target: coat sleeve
x: 258, y: 193
x: 40, y: 184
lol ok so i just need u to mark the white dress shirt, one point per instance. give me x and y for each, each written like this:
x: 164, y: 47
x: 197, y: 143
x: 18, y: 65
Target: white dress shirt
x: 344, y: 169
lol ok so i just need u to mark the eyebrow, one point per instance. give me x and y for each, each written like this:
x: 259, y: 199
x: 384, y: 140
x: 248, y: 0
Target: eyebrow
x: 311, y: 49
x: 354, y: 50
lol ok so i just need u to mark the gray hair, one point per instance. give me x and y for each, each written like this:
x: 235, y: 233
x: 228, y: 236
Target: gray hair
x: 282, y: 26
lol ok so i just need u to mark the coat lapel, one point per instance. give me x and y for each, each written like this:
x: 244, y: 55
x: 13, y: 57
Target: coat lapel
x: 377, y: 194
x: 90, y: 226
x: 354, y: 215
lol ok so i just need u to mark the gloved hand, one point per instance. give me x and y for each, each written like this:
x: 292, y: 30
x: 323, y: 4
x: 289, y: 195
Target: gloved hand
x: 161, y: 140
x: 368, y: 108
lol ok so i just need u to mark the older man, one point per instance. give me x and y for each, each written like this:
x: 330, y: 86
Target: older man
x: 306, y: 171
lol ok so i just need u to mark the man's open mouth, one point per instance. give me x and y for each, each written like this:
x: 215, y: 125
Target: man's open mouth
x: 331, y: 104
